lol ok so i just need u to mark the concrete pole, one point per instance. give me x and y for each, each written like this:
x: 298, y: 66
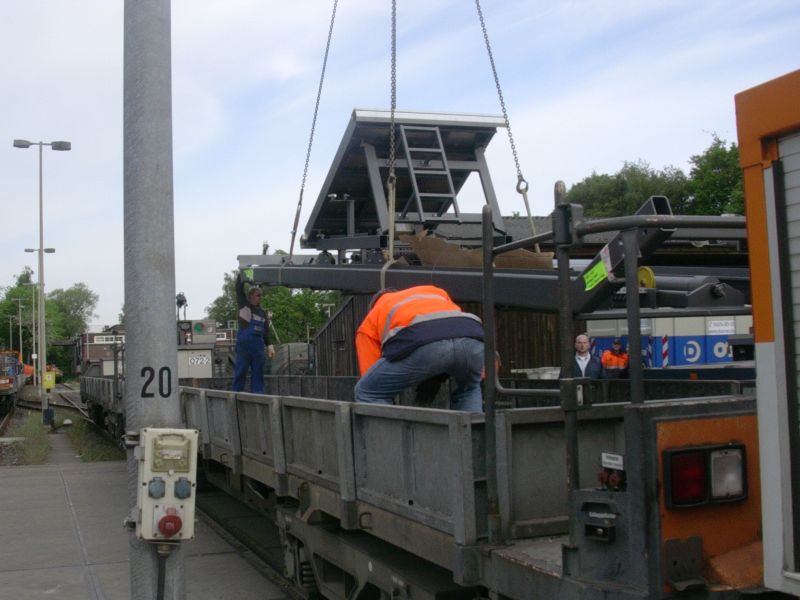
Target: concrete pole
x: 151, y: 354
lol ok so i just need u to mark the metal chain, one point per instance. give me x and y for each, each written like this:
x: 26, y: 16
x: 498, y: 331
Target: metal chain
x: 391, y: 180
x: 313, y: 128
x: 522, y: 184
x: 393, y: 100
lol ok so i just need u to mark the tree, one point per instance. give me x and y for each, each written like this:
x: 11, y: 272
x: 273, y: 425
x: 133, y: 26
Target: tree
x: 73, y: 308
x: 624, y: 192
x: 17, y: 299
x: 69, y: 312
x: 297, y: 313
x: 716, y: 180
x: 224, y: 308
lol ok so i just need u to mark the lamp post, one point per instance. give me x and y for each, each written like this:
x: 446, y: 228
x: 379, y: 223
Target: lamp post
x: 41, y: 357
x: 19, y: 322
x: 33, y: 329
x: 60, y: 146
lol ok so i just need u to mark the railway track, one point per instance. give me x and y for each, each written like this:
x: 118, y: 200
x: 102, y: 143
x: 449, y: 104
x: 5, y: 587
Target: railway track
x: 4, y: 422
x: 247, y: 530
x: 58, y: 399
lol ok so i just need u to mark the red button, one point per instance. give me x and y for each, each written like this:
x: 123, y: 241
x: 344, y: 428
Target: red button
x: 169, y: 525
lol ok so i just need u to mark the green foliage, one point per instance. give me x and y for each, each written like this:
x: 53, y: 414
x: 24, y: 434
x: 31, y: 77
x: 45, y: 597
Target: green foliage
x: 716, y: 180
x: 73, y: 308
x: 89, y: 443
x: 224, y: 307
x: 67, y: 314
x: 17, y: 300
x: 34, y: 449
x: 625, y: 191
x: 297, y: 314
x: 713, y: 187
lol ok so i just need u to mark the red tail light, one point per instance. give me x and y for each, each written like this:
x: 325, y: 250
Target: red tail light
x: 688, y: 478
x: 703, y: 475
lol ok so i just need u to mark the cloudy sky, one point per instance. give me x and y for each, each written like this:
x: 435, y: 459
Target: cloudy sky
x: 589, y: 84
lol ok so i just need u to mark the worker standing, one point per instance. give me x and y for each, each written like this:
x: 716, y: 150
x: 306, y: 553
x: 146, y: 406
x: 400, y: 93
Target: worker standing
x: 251, y: 340
x: 585, y: 364
x: 615, y: 360
x: 412, y: 335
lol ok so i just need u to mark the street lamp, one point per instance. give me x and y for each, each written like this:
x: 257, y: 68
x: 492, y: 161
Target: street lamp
x: 60, y: 146
x: 19, y: 322
x: 33, y: 287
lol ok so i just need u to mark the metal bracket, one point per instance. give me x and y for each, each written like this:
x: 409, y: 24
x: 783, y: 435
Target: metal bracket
x: 683, y: 563
x: 576, y: 393
x: 130, y: 439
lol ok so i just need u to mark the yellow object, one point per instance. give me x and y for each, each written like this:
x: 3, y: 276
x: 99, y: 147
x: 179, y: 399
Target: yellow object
x: 647, y: 278
x: 49, y: 380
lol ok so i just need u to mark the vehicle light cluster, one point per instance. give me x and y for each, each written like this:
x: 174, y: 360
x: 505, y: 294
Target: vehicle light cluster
x: 704, y: 475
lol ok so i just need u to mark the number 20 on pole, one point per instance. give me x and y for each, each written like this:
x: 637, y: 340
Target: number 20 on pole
x: 164, y: 382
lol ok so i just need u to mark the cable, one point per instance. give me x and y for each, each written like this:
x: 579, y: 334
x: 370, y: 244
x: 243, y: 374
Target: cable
x: 391, y: 180
x: 311, y: 136
x: 522, y: 184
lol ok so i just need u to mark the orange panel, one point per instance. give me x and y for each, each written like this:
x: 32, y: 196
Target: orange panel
x: 762, y: 113
x: 757, y: 238
x: 766, y: 111
x: 723, y: 527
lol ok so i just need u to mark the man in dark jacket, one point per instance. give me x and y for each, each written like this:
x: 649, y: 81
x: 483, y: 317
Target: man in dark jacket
x: 585, y: 364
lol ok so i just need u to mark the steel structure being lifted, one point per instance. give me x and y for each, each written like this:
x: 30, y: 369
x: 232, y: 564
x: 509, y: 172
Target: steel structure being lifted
x: 439, y: 153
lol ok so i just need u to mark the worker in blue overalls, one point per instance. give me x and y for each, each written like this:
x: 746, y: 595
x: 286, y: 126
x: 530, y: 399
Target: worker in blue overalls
x: 252, y: 339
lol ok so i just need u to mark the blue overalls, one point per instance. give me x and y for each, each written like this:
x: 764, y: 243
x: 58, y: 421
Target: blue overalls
x: 250, y: 352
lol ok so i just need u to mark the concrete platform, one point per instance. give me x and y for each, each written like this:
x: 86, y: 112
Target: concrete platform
x: 61, y: 536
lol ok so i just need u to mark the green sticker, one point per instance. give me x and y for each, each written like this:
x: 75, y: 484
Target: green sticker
x: 248, y: 274
x: 594, y: 276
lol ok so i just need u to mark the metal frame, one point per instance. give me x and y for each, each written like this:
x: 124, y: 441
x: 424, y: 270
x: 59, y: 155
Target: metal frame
x: 361, y: 156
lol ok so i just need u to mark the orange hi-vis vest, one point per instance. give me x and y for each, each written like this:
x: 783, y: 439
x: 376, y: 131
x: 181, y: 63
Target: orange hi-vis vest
x: 614, y: 361
x: 395, y: 311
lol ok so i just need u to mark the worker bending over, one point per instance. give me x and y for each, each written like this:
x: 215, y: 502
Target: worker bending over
x: 411, y: 335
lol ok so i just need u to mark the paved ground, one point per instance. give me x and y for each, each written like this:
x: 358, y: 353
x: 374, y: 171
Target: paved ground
x: 61, y: 536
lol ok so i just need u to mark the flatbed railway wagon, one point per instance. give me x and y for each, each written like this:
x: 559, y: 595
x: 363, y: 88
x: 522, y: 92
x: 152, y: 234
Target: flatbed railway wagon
x: 579, y: 499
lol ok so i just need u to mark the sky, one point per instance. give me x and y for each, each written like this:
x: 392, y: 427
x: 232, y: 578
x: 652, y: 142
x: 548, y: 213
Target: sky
x: 588, y: 84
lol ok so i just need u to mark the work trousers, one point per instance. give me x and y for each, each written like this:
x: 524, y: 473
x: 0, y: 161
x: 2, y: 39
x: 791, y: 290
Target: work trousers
x: 461, y: 358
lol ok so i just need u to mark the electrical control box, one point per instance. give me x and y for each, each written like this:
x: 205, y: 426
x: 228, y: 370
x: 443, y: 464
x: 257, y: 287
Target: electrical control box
x: 167, y: 484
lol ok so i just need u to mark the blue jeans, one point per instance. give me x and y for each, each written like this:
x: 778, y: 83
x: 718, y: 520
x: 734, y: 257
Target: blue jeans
x: 249, y: 355
x: 461, y: 358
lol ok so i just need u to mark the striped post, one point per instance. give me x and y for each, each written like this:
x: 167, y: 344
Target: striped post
x: 665, y: 350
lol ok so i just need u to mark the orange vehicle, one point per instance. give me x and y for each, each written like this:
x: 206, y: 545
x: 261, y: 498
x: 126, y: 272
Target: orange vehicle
x: 12, y: 376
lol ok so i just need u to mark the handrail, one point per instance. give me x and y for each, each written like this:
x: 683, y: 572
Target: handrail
x: 660, y: 221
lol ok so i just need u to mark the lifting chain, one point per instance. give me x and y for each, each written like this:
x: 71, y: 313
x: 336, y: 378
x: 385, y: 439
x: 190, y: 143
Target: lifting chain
x: 391, y: 180
x: 522, y: 184
x: 313, y: 127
